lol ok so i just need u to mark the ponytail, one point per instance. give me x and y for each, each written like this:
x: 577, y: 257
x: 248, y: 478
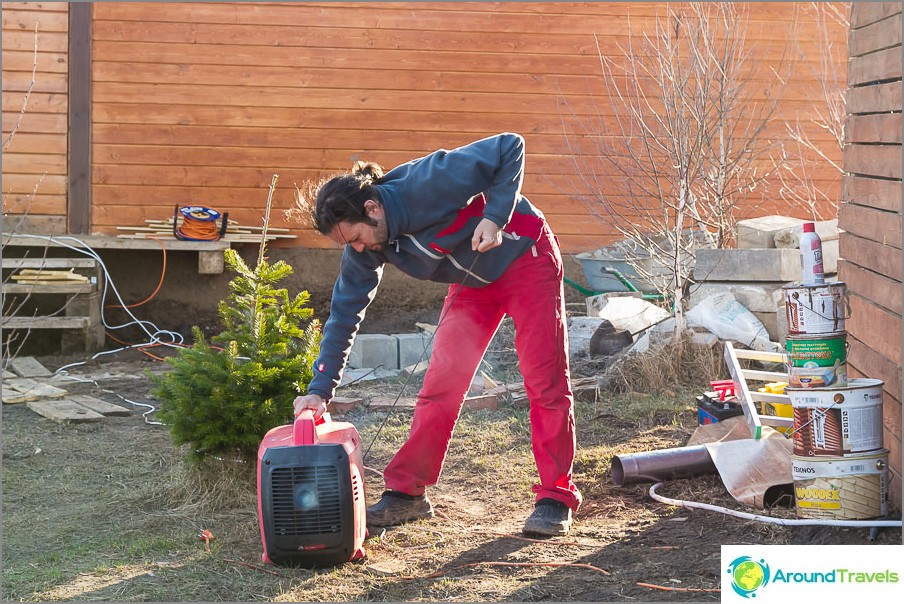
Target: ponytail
x: 368, y: 170
x: 342, y: 197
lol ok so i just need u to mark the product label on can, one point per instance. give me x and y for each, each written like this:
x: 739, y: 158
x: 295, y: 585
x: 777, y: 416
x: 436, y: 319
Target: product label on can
x: 817, y: 362
x: 815, y: 309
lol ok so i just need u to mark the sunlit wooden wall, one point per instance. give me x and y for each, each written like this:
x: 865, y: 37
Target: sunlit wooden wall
x: 35, y: 115
x: 870, y: 215
x: 201, y: 103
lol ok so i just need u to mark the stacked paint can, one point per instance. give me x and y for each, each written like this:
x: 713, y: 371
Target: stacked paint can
x: 839, y: 465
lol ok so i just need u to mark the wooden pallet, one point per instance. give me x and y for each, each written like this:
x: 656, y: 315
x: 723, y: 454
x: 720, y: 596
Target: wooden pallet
x: 32, y: 277
x: 749, y: 399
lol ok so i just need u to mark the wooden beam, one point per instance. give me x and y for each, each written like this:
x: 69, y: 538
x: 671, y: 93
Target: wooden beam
x: 79, y: 192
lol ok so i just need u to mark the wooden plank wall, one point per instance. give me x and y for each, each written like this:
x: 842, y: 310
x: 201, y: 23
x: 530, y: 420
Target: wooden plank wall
x: 35, y: 156
x: 870, y: 213
x: 201, y: 103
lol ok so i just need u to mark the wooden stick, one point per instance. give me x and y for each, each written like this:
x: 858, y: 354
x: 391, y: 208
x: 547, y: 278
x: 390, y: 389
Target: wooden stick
x: 665, y: 588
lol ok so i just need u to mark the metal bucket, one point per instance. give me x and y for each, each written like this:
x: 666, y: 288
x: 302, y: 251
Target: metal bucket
x: 841, y: 488
x: 816, y: 309
x: 817, y: 361
x: 837, y: 421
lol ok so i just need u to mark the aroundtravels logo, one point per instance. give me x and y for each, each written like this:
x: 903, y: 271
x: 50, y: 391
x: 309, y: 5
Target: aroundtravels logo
x: 748, y: 575
x: 811, y: 573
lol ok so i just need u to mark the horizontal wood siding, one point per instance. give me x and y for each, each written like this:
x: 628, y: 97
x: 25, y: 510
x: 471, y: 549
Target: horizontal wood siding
x: 870, y: 214
x: 201, y: 103
x: 35, y: 106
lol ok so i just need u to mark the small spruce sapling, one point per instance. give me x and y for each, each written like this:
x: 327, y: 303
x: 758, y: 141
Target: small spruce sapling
x: 221, y: 402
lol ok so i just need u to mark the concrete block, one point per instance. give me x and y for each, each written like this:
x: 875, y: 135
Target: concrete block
x: 790, y: 237
x: 756, y: 297
x: 781, y: 323
x: 660, y: 333
x: 759, y: 233
x: 705, y: 338
x: 374, y: 350
x: 770, y: 322
x: 769, y: 265
x: 411, y: 348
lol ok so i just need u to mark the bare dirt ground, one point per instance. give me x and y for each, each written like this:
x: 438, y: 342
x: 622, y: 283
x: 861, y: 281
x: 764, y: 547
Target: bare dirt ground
x: 93, y: 512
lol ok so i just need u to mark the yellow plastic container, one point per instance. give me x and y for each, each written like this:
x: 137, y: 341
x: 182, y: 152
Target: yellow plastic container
x: 779, y: 410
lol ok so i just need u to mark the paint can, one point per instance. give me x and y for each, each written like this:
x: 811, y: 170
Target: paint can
x: 816, y: 309
x: 841, y: 488
x: 817, y: 361
x: 837, y: 421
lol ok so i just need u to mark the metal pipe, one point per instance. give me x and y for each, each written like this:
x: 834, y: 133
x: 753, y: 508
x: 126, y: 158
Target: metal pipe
x: 665, y: 464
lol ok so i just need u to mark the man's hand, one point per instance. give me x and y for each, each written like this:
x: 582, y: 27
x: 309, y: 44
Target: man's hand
x: 310, y: 401
x: 487, y: 235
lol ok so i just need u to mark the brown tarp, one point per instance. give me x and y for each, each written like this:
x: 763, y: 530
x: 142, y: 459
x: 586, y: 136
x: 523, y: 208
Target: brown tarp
x: 756, y: 472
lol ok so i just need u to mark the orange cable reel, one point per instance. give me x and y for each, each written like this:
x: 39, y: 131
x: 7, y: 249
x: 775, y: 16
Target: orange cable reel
x: 198, y: 223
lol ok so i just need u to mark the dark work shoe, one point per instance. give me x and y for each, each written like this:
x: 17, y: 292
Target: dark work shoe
x: 550, y: 518
x: 396, y: 508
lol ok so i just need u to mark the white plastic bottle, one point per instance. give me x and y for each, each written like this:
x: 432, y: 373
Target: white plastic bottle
x: 811, y: 256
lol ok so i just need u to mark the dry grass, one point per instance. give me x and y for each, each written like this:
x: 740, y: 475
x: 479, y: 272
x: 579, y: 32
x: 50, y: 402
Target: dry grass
x: 209, y: 486
x: 674, y: 365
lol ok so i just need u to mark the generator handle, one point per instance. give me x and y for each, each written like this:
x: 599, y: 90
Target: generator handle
x: 304, y: 431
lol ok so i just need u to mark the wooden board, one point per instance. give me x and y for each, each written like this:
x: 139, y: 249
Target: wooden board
x: 872, y: 192
x: 28, y: 367
x: 437, y: 76
x: 64, y: 411
x: 99, y: 406
x: 873, y: 160
x: 871, y: 323
x: 34, y: 388
x: 882, y: 290
x: 877, y: 225
x: 13, y: 397
x: 877, y: 257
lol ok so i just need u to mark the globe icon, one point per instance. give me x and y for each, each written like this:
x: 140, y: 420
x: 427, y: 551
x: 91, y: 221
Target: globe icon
x: 748, y: 575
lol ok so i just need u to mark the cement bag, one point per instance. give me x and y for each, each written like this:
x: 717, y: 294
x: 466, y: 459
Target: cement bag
x: 724, y: 316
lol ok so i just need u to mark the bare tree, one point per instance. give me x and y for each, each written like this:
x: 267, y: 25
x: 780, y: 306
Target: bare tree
x: 804, y: 155
x: 686, y: 142
x: 13, y: 341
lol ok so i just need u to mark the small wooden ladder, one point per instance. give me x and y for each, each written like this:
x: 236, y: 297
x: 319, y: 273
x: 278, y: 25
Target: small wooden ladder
x: 749, y: 400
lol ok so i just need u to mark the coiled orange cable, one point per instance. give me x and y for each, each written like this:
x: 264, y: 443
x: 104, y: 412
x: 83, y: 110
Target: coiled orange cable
x: 200, y: 230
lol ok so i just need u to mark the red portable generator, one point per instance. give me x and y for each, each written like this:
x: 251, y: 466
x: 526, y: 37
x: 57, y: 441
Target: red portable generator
x: 310, y: 493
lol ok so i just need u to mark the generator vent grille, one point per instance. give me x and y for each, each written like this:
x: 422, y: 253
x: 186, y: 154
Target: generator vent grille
x: 306, y: 501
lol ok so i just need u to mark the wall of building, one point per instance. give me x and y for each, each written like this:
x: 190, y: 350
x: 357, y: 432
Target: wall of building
x: 201, y: 103
x: 870, y: 215
x: 35, y: 115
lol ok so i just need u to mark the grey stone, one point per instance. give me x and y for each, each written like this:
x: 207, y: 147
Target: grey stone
x: 374, y: 350
x: 769, y: 265
x: 412, y: 348
x: 759, y: 233
x: 790, y: 237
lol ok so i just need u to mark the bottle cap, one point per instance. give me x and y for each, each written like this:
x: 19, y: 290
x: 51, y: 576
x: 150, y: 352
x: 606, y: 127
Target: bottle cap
x: 809, y: 227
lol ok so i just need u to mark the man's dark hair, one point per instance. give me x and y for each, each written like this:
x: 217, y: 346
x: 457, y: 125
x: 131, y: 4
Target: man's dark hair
x: 341, y: 198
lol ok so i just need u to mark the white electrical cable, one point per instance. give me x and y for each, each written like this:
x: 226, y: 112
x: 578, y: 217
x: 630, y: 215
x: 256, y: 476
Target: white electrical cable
x: 154, y: 333
x: 175, y: 338
x: 770, y: 519
x: 150, y: 408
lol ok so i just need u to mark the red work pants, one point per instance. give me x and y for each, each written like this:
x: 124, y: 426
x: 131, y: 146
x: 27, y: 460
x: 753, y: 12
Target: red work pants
x: 531, y: 292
